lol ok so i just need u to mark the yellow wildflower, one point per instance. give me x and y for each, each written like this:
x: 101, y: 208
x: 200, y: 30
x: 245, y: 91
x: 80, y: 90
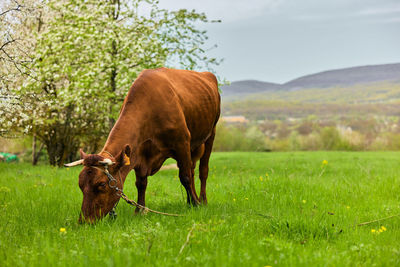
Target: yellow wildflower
x: 261, y: 179
x: 67, y: 169
x: 304, y: 201
x: 373, y: 231
x: 324, y: 162
x: 380, y: 230
x: 63, y: 230
x: 5, y: 189
x: 348, y: 207
x: 246, y: 198
x: 266, y: 174
x: 383, y: 228
x: 234, y: 199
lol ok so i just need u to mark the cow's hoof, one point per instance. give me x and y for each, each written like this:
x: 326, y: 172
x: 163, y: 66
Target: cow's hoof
x: 141, y: 211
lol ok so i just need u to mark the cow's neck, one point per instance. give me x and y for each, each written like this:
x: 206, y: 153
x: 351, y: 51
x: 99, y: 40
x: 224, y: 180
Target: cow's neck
x: 125, y: 132
x: 116, y: 142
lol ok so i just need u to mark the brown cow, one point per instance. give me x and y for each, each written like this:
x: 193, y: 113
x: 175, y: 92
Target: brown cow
x: 167, y: 114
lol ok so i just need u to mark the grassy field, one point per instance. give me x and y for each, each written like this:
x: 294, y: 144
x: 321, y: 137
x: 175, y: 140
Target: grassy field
x: 276, y: 209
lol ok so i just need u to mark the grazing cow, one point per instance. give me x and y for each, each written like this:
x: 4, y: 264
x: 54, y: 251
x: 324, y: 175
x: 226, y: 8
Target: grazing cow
x: 167, y: 114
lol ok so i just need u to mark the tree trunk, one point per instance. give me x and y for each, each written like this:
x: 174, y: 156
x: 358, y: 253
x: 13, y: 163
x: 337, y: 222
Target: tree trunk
x: 114, y: 52
x: 51, y: 151
x: 113, y: 84
x: 36, y: 153
x: 34, y: 162
x: 58, y: 152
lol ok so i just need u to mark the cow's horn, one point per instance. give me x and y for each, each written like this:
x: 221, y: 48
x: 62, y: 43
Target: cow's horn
x: 75, y: 163
x: 106, y: 162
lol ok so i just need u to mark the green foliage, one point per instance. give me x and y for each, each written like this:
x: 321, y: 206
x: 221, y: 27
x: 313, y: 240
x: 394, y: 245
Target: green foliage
x: 230, y: 138
x: 86, y: 56
x: 315, y: 134
x: 277, y: 209
x: 330, y: 139
x: 255, y: 139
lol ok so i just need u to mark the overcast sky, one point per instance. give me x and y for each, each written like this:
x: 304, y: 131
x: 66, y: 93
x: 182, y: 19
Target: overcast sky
x: 279, y: 40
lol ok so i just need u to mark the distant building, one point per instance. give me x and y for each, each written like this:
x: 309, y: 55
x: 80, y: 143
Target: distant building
x: 235, y: 119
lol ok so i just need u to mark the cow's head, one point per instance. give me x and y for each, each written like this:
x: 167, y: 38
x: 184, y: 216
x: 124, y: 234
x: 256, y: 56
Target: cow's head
x: 98, y: 197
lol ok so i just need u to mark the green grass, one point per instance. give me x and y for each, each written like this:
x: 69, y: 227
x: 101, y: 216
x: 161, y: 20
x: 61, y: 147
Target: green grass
x: 301, y: 214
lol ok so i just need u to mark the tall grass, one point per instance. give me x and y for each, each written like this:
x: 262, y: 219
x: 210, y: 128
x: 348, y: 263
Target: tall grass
x: 275, y: 209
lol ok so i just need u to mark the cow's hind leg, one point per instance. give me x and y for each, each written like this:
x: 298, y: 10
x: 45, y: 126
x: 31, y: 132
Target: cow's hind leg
x: 196, y: 155
x: 204, y: 166
x: 183, y: 158
x: 141, y: 185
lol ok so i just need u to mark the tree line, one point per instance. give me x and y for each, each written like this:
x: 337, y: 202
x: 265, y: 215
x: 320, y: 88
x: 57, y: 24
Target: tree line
x: 311, y: 133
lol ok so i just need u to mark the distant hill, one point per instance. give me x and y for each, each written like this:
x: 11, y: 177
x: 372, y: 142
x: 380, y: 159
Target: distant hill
x: 347, y: 77
x: 355, y: 77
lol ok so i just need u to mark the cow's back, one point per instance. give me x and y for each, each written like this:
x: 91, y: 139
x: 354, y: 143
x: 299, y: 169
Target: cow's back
x: 175, y: 100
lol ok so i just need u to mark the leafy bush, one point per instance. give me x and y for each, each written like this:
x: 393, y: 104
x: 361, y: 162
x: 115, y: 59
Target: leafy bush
x: 234, y: 138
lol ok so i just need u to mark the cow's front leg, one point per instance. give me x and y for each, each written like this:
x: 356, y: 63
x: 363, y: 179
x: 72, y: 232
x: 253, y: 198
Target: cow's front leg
x: 141, y: 185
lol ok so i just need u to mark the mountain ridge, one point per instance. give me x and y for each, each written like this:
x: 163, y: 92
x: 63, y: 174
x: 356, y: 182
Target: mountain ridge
x: 326, y: 79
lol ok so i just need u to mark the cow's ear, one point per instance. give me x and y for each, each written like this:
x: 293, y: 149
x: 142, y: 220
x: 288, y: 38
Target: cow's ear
x: 127, y: 150
x: 124, y: 157
x: 83, y: 154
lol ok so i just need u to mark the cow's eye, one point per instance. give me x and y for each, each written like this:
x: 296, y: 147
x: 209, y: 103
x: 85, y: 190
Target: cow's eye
x: 100, y: 187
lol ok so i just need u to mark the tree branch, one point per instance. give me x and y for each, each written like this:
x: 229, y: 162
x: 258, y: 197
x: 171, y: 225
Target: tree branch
x: 17, y: 8
x: 7, y: 43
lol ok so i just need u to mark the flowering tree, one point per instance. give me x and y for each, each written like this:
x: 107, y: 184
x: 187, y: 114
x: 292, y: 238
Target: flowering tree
x: 18, y: 20
x: 85, y: 56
